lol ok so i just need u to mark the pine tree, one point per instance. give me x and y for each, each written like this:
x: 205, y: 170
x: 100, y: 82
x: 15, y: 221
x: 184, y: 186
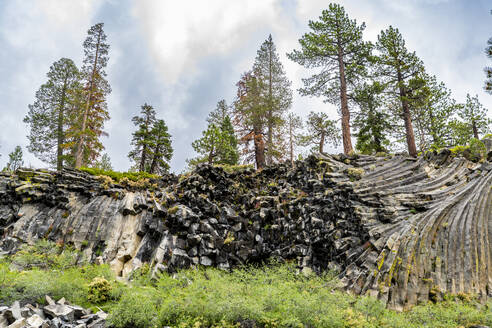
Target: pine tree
x: 249, y: 118
x: 321, y: 130
x: 294, y: 124
x: 218, y: 115
x: 143, y: 138
x: 460, y: 133
x: 15, y: 160
x: 104, y: 163
x: 161, y: 150
x: 400, y: 70
x: 335, y: 45
x: 218, y: 144
x: 372, y: 121
x: 474, y: 115
x: 277, y: 97
x: 432, y: 113
x: 91, y: 117
x: 229, y: 154
x: 49, y: 116
x: 488, y: 70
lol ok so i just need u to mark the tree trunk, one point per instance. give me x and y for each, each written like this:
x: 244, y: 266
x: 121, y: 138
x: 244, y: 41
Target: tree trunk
x: 347, y: 141
x: 211, y: 156
x: 291, y: 141
x: 80, y: 144
x: 259, y: 148
x: 322, y: 142
x: 475, y: 129
x: 153, y: 165
x: 60, y: 137
x: 412, y: 149
x: 435, y: 137
x: 270, y: 112
x: 143, y: 157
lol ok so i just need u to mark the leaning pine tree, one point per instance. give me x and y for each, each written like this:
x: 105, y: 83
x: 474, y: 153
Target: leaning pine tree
x: 48, y: 116
x: 336, y: 46
x: 92, y: 115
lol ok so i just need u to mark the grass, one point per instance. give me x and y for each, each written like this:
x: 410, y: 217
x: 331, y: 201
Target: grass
x: 118, y: 176
x: 268, y: 296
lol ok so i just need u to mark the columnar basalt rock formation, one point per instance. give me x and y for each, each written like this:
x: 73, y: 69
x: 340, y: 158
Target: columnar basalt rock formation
x: 402, y: 229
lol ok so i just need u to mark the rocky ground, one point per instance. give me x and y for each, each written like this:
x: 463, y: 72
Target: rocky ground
x: 53, y: 315
x: 402, y: 229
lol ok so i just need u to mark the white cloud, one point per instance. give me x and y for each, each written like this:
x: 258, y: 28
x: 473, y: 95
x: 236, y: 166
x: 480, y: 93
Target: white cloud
x: 180, y: 33
x: 33, y: 35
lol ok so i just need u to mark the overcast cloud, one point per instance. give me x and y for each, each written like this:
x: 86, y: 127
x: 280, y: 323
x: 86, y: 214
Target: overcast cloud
x: 184, y: 56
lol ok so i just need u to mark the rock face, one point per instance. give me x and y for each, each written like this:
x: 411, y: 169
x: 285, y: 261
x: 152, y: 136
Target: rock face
x: 402, y: 229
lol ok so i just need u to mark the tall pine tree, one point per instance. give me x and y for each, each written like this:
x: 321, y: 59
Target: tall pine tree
x: 336, y: 46
x: 249, y: 118
x: 151, y: 142
x: 143, y: 138
x: 488, y: 70
x: 276, y: 94
x: 49, y: 115
x: 400, y: 71
x: 161, y: 150
x: 90, y: 118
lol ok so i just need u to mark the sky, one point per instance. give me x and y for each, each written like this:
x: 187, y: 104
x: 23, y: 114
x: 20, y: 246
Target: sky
x: 183, y: 56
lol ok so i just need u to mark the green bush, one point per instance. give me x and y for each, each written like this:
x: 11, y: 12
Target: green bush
x: 137, y: 308
x: 99, y: 290
x: 35, y: 284
x: 477, y: 149
x: 45, y: 254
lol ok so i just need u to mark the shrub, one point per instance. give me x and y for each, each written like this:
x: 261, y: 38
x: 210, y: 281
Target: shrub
x: 137, y: 308
x: 45, y: 254
x: 99, y: 290
x: 477, y: 149
x: 355, y: 173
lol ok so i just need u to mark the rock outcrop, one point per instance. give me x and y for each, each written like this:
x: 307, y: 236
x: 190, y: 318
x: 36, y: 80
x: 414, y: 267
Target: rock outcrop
x: 402, y: 229
x: 54, y: 314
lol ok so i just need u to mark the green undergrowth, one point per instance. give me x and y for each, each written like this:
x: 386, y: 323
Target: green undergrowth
x: 235, y: 168
x: 275, y: 295
x: 118, y: 176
